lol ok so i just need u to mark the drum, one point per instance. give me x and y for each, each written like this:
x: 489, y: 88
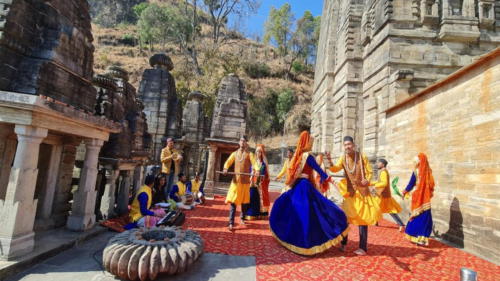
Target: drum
x: 187, y: 199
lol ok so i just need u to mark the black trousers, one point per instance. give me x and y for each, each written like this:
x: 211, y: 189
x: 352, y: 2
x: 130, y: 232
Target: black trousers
x: 363, y: 237
x: 232, y: 212
x: 397, y: 219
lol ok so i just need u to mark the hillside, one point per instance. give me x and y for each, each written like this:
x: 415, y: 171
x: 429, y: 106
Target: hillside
x: 118, y: 45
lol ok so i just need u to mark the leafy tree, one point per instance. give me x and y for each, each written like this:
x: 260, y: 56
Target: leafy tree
x: 219, y: 11
x: 278, y: 28
x: 292, y: 45
x: 138, y: 9
x: 284, y: 104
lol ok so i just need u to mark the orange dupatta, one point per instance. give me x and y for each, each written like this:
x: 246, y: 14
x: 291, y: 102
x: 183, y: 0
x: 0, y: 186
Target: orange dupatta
x: 296, y: 164
x: 421, y: 198
x: 264, y: 181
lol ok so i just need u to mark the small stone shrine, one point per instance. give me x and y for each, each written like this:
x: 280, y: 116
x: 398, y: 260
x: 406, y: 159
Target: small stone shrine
x: 161, y: 105
x: 125, y: 154
x: 228, y: 124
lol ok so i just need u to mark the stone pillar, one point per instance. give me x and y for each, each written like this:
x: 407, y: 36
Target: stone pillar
x: 108, y: 198
x: 17, y: 212
x: 210, y: 182
x: 138, y: 178
x: 82, y: 213
x: 122, y: 203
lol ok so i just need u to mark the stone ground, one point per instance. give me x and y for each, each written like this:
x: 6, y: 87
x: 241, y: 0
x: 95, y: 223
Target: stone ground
x: 84, y: 262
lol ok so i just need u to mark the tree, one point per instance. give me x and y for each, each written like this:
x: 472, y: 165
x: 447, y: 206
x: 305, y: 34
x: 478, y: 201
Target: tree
x: 278, y: 28
x: 284, y: 104
x: 138, y: 9
x: 219, y: 11
x: 300, y: 43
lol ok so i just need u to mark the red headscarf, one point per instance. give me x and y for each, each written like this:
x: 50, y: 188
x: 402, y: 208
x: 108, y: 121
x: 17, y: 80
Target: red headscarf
x: 304, y: 145
x: 264, y: 158
x: 421, y: 199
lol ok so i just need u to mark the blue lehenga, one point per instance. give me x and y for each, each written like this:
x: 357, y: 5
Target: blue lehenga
x: 254, y: 209
x: 419, y: 228
x: 303, y: 220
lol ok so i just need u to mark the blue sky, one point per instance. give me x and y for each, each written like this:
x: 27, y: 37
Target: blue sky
x: 255, y: 22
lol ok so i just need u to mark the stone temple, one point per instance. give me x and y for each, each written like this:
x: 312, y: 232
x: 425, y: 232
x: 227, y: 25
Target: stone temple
x: 420, y: 76
x: 374, y: 54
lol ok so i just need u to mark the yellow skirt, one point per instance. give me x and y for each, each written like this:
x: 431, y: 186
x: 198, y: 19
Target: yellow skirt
x: 361, y: 210
x: 238, y: 193
x: 388, y: 205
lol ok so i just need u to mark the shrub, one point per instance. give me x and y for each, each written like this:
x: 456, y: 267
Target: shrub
x: 128, y: 39
x: 256, y: 70
x: 298, y: 67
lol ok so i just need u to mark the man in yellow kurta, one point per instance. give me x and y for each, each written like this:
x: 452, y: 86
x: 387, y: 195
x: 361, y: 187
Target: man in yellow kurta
x: 141, y: 205
x: 284, y: 171
x: 169, y: 156
x: 359, y: 205
x: 239, y: 190
x: 384, y: 198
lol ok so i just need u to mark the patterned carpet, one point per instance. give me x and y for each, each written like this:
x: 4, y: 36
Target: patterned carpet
x: 389, y: 257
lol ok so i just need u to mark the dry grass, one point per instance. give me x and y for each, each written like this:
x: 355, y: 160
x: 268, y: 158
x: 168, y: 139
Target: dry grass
x: 109, y: 51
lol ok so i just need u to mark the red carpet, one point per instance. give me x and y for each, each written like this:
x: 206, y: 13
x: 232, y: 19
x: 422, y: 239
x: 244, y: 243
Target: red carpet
x: 390, y: 256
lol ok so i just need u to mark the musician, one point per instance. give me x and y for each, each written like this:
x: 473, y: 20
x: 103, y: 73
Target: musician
x: 359, y: 205
x: 239, y: 190
x: 196, y: 188
x: 179, y: 190
x: 142, y: 210
x: 170, y: 159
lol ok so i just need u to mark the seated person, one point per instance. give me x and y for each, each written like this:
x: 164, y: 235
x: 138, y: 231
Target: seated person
x: 179, y: 190
x: 159, y: 189
x: 196, y: 188
x: 141, y: 212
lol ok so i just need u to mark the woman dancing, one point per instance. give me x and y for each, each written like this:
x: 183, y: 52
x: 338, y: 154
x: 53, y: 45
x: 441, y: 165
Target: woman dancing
x: 419, y: 227
x: 302, y: 219
x: 259, y: 190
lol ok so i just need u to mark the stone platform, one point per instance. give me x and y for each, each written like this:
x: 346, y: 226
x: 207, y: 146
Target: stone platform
x: 84, y: 262
x: 48, y: 243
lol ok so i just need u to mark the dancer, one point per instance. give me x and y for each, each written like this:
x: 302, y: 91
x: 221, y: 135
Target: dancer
x: 419, y: 227
x: 196, y: 188
x: 258, y: 209
x: 170, y: 159
x: 324, y: 187
x: 284, y: 171
x: 303, y: 220
x: 359, y: 205
x: 239, y: 190
x: 384, y: 198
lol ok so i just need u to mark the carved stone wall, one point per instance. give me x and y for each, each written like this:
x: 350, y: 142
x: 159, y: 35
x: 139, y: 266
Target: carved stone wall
x: 375, y: 53
x: 455, y: 123
x: 46, y: 49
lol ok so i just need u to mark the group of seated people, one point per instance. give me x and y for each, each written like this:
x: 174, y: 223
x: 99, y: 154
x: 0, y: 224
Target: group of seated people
x: 146, y: 210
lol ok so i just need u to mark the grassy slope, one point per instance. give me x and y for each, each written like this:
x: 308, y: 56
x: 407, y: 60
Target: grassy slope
x: 110, y: 51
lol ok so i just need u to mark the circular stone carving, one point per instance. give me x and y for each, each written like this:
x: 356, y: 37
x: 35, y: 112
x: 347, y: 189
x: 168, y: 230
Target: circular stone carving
x: 145, y: 253
x: 117, y: 72
x: 161, y: 60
